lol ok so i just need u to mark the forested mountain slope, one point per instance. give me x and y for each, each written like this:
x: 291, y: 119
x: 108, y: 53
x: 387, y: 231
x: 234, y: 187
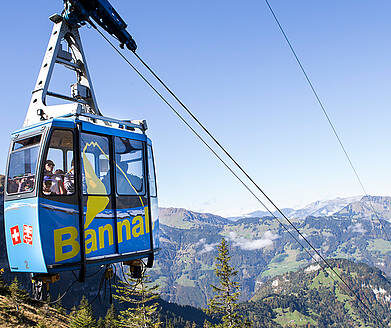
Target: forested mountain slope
x: 261, y: 248
x: 312, y: 298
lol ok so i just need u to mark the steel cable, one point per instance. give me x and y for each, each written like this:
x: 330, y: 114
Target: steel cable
x: 327, y: 116
x: 236, y: 164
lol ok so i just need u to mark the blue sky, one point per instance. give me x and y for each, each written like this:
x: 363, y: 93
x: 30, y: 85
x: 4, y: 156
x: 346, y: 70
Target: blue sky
x: 228, y: 62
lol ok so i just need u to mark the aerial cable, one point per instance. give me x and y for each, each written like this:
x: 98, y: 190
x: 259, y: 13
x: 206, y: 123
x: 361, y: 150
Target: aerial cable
x: 256, y: 185
x: 327, y: 116
x: 208, y: 146
x: 226, y: 165
x: 236, y: 164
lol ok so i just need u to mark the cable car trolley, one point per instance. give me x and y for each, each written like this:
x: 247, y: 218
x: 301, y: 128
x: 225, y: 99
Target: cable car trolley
x: 80, y: 187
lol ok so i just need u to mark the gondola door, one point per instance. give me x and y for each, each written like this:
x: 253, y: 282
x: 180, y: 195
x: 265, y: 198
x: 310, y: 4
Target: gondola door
x: 97, y: 190
x: 58, y: 210
x: 131, y: 196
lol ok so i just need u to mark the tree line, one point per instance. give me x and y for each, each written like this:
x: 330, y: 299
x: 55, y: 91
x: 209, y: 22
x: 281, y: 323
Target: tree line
x: 143, y: 311
x: 137, y: 303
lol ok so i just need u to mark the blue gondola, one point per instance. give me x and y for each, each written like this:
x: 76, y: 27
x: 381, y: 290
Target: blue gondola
x: 80, y: 187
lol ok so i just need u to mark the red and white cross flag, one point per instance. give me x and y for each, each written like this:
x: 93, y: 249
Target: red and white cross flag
x: 28, y: 234
x: 15, y: 235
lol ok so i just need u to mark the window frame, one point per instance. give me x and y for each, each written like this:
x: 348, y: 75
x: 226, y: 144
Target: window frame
x: 110, y: 145
x: 149, y: 147
x: 144, y: 167
x: 15, y: 140
x: 61, y: 198
x: 30, y: 193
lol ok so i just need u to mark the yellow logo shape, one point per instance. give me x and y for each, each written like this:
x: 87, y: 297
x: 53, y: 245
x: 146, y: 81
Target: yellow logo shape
x: 95, y: 204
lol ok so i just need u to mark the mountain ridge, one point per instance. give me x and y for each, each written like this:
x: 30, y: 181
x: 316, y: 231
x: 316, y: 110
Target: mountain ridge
x: 261, y: 249
x: 317, y: 208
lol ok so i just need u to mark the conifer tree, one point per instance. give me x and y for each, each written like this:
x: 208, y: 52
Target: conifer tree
x: 72, y: 314
x: 58, y: 305
x: 141, y: 296
x: 111, y: 318
x: 41, y: 323
x: 100, y: 323
x: 207, y: 324
x: 82, y: 317
x: 224, y: 303
x: 17, y: 293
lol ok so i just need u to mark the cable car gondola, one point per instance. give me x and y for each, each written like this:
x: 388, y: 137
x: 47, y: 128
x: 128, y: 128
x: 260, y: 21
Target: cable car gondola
x: 80, y: 187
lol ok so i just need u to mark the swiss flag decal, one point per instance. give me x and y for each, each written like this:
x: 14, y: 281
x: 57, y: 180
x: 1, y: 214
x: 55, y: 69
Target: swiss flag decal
x: 28, y: 234
x: 15, y: 235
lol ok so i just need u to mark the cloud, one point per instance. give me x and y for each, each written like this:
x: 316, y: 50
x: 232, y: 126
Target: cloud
x: 238, y: 241
x: 206, y: 248
x: 200, y: 242
x: 252, y: 245
x: 357, y: 228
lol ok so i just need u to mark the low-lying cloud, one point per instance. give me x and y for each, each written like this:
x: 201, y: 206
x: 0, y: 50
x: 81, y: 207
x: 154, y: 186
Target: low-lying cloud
x: 238, y: 241
x: 357, y: 228
x: 206, y: 248
x: 253, y: 244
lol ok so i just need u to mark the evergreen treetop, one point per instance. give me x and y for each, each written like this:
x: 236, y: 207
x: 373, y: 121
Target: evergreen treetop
x: 224, y: 303
x: 82, y: 317
x: 141, y: 296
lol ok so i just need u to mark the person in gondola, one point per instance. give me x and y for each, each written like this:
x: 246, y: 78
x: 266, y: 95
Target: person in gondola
x: 48, y: 177
x: 69, y: 180
x: 58, y: 183
x: 47, y: 186
x: 49, y: 167
x: 12, y: 186
x: 22, y: 184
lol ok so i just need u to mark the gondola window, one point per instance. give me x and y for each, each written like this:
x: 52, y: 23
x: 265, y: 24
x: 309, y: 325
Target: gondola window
x: 129, y: 166
x: 58, y: 171
x: 23, y: 165
x: 95, y: 164
x: 151, y: 173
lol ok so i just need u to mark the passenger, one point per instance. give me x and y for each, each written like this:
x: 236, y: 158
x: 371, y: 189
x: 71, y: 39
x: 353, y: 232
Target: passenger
x: 57, y: 183
x: 48, y: 177
x: 47, y: 185
x: 30, y: 181
x: 69, y: 180
x: 12, y: 186
x: 29, y: 186
x: 49, y: 167
x: 22, y: 185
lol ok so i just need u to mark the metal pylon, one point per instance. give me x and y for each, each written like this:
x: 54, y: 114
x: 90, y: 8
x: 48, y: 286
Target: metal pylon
x: 82, y: 97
